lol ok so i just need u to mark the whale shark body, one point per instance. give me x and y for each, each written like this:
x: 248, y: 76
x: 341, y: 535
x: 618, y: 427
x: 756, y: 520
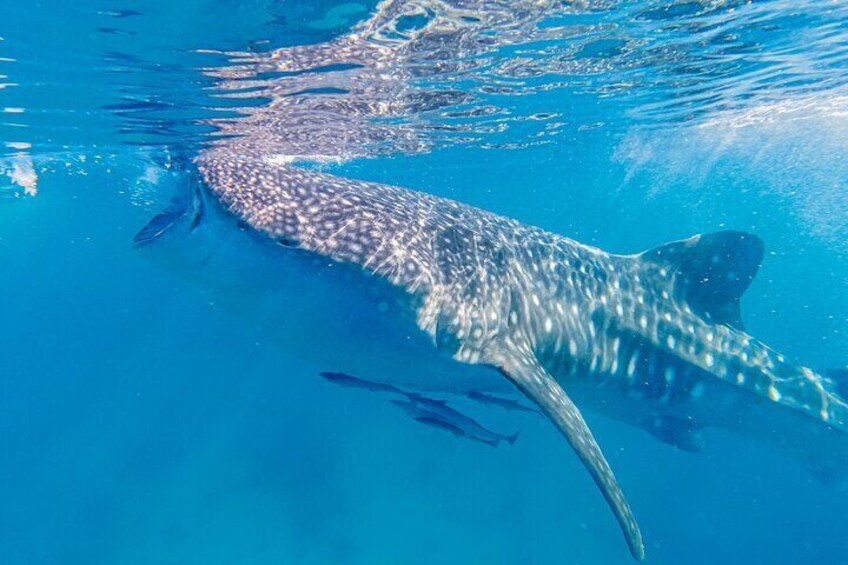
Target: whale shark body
x: 410, y: 288
x: 654, y: 340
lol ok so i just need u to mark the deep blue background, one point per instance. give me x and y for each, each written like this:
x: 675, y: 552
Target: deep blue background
x: 139, y: 424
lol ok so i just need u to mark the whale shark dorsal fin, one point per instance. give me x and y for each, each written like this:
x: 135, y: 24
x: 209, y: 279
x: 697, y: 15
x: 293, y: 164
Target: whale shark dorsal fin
x: 538, y: 385
x: 711, y: 271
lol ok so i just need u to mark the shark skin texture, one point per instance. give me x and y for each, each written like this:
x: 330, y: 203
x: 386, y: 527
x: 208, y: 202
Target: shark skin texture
x: 652, y: 339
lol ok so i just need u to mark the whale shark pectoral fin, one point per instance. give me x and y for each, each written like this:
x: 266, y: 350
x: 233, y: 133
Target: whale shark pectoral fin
x: 538, y: 385
x: 711, y: 271
x: 186, y: 206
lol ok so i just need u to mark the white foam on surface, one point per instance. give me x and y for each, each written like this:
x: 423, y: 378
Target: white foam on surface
x: 19, y: 168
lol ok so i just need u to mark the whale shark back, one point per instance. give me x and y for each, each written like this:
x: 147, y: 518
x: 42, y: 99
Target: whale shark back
x: 413, y: 239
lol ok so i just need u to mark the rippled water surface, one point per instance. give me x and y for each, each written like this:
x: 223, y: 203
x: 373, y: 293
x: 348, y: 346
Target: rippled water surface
x: 151, y: 412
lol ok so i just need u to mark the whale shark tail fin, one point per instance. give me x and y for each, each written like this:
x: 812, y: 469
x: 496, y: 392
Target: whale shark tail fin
x: 710, y: 272
x: 525, y: 372
x: 185, y: 209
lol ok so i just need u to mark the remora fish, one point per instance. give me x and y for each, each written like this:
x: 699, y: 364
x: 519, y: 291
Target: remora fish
x: 345, y: 380
x: 505, y: 403
x: 439, y: 414
x: 429, y: 419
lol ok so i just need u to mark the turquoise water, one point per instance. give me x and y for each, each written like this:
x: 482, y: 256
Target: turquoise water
x: 147, y: 416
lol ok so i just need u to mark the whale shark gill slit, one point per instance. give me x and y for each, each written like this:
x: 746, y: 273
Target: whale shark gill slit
x: 539, y: 386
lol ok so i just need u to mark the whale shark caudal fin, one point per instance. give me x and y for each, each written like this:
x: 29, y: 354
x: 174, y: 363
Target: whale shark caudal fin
x: 186, y: 205
x: 711, y: 271
x: 538, y: 385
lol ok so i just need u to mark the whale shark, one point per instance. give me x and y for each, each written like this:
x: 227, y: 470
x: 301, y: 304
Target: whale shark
x: 414, y: 289
x: 654, y: 339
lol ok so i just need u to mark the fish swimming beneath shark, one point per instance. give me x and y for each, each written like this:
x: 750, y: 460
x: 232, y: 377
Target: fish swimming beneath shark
x: 492, y: 400
x: 349, y: 381
x: 438, y: 414
x: 429, y: 411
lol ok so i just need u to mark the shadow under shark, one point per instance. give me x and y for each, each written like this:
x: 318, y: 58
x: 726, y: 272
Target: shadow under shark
x: 370, y: 277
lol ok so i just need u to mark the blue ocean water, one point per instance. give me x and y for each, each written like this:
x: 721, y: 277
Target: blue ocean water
x: 143, y: 419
